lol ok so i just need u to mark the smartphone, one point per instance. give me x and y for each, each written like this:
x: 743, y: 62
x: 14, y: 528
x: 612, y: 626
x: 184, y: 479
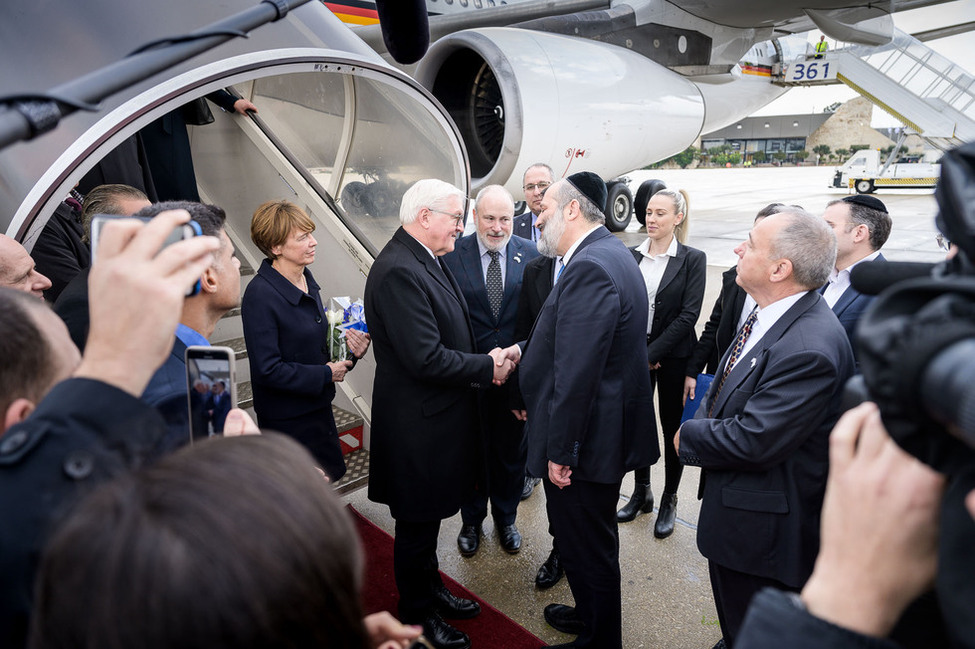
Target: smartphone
x: 211, y: 389
x: 185, y: 231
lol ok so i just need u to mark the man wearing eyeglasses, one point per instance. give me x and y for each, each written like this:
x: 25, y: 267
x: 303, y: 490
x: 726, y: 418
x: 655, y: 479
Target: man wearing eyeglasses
x: 537, y: 179
x: 425, y: 423
x: 488, y: 266
x: 861, y: 224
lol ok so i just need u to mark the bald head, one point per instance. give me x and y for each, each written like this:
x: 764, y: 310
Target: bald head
x: 17, y: 269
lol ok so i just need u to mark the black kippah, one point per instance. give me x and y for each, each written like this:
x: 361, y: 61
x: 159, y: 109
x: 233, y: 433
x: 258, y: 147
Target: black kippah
x: 867, y: 201
x: 591, y: 185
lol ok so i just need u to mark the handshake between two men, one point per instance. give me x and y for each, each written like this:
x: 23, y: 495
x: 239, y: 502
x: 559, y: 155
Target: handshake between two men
x: 505, y: 361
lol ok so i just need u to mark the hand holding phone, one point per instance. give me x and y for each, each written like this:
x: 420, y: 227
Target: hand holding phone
x: 211, y: 385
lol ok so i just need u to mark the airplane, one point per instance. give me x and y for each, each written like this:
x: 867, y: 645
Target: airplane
x: 343, y: 133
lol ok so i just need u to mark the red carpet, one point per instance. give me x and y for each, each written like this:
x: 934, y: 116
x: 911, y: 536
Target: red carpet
x: 492, y: 629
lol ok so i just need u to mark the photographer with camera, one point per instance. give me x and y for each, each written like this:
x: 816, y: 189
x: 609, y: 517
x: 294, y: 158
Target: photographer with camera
x: 888, y: 535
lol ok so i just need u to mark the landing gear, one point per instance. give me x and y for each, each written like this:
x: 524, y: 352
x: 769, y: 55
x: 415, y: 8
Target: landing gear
x: 647, y: 189
x: 619, y: 207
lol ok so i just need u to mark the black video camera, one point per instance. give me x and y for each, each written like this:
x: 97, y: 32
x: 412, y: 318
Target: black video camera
x: 916, y: 342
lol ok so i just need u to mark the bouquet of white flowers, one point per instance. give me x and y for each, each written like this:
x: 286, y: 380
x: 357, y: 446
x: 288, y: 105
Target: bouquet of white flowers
x: 343, y: 313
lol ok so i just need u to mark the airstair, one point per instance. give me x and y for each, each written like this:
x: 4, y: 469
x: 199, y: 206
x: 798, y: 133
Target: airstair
x: 928, y: 93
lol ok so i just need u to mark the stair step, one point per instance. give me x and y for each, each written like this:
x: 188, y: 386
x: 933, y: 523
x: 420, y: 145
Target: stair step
x: 344, y: 419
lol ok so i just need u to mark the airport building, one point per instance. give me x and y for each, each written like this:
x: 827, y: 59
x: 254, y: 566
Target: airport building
x: 789, y: 134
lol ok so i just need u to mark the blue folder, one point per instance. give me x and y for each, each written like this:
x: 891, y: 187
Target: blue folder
x: 703, y: 384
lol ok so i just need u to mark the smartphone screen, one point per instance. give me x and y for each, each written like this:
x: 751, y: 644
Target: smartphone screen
x: 211, y: 389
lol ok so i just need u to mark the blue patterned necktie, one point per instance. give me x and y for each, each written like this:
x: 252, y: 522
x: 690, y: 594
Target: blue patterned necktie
x: 558, y: 272
x: 494, y: 284
x: 739, y: 344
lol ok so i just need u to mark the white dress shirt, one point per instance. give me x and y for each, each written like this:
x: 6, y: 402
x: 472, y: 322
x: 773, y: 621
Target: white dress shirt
x: 767, y: 317
x: 839, y: 281
x: 653, y: 268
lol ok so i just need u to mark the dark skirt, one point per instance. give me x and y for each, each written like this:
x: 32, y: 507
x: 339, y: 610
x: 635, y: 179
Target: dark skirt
x: 316, y: 431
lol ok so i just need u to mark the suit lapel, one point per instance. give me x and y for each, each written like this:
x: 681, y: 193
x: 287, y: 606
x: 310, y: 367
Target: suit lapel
x: 432, y: 265
x: 746, y: 364
x: 849, y: 297
x: 670, y: 272
x: 470, y: 260
x: 514, y: 267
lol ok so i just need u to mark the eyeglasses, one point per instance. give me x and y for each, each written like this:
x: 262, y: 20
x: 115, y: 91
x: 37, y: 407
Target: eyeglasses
x: 491, y: 220
x: 458, y: 218
x: 943, y: 242
x: 539, y: 186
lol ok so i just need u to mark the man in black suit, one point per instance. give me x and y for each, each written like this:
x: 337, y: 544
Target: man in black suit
x: 861, y: 225
x: 425, y: 447
x: 536, y: 180
x: 488, y: 268
x: 761, y: 433
x: 587, y: 390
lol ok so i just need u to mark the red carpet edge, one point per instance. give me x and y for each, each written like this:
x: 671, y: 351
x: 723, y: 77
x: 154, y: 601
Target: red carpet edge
x: 492, y: 629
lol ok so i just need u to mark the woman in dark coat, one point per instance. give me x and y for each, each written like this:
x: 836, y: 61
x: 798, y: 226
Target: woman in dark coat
x: 675, y: 275
x: 286, y: 332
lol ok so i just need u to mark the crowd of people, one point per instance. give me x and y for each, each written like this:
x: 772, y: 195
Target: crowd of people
x: 526, y: 353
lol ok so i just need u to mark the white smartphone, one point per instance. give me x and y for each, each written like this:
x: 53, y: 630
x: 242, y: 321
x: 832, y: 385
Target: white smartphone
x: 211, y: 388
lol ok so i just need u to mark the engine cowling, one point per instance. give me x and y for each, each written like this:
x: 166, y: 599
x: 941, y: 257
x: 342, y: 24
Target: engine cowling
x: 520, y: 97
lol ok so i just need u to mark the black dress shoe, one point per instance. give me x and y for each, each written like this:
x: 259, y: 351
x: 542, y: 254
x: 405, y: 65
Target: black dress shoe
x: 564, y: 618
x: 455, y: 608
x: 443, y: 636
x: 469, y: 540
x: 550, y: 572
x: 666, y: 516
x: 510, y: 538
x: 529, y: 488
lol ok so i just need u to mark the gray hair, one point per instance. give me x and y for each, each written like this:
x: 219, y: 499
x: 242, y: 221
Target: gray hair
x: 878, y: 223
x: 429, y: 192
x: 809, y: 243
x: 539, y: 165
x: 568, y: 193
x: 494, y: 189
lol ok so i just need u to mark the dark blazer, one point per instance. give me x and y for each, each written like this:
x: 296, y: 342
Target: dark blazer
x: 83, y: 433
x: 721, y: 327
x: 72, y: 308
x: 851, y: 306
x: 286, y: 333
x: 522, y: 226
x: 588, y: 400
x: 423, y: 459
x: 765, y: 451
x: 167, y: 393
x: 677, y: 304
x: 59, y: 252
x: 465, y: 265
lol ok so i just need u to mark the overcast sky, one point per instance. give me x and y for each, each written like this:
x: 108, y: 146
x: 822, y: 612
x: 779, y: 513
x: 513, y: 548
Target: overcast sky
x: 959, y: 49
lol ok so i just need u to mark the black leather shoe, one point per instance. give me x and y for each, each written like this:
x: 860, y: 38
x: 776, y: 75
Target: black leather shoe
x: 666, y: 516
x: 550, y: 572
x: 529, y: 488
x: 455, y: 608
x: 469, y: 540
x: 443, y: 636
x: 564, y: 618
x: 510, y: 538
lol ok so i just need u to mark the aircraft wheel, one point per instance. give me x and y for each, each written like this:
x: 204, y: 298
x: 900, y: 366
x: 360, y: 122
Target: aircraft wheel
x: 647, y: 189
x: 864, y: 186
x: 619, y: 207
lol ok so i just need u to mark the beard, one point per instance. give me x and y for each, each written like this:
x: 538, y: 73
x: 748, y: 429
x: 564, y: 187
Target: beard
x: 492, y: 245
x: 551, y: 234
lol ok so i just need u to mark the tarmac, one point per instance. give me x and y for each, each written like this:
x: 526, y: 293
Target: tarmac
x: 667, y: 601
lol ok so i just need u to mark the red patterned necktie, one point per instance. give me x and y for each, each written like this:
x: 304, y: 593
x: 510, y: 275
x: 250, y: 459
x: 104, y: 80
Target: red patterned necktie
x: 743, y: 333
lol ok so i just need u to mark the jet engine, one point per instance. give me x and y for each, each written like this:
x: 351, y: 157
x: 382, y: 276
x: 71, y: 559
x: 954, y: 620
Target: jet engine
x: 520, y: 96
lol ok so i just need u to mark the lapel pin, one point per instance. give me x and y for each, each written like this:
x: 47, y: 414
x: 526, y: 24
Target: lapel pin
x: 753, y: 361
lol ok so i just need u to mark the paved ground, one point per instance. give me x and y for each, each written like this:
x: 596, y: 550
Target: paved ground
x: 666, y: 594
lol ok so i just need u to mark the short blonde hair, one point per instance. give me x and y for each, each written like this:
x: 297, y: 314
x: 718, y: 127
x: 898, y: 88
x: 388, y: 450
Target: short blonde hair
x: 274, y: 221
